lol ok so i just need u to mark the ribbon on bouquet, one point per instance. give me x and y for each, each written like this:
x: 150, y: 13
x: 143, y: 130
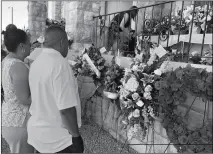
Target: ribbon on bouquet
x: 89, y: 61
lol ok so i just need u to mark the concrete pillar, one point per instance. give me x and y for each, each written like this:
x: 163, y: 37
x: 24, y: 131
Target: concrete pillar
x: 80, y: 24
x: 58, y: 10
x: 37, y: 14
x: 54, y: 9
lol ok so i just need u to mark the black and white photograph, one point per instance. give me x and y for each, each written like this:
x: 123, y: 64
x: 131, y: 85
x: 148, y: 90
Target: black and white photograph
x: 106, y: 76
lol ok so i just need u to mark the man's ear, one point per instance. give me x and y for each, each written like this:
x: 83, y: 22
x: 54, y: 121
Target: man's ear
x: 21, y: 46
x: 62, y: 42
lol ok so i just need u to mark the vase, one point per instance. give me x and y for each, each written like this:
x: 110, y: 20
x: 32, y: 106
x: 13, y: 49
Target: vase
x: 110, y: 95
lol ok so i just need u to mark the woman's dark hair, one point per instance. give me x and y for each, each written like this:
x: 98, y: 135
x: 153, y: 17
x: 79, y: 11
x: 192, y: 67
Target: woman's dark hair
x: 13, y: 37
x: 135, y: 9
x: 11, y: 26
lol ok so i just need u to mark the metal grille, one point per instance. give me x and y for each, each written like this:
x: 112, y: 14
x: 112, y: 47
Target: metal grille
x: 169, y: 28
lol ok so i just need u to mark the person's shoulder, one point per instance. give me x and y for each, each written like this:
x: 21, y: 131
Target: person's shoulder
x: 35, y: 53
x: 19, y: 68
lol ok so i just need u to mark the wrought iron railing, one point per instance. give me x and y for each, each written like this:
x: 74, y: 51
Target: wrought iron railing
x: 174, y: 31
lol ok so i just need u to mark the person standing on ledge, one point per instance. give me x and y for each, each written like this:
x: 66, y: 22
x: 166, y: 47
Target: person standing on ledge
x: 53, y: 126
x: 120, y: 28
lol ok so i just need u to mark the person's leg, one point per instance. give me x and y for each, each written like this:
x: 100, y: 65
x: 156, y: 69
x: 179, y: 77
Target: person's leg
x: 16, y: 137
x: 115, y: 48
x: 67, y: 150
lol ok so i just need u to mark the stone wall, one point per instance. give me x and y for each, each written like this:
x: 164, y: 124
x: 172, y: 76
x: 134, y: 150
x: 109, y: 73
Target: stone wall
x: 37, y: 14
x: 80, y: 24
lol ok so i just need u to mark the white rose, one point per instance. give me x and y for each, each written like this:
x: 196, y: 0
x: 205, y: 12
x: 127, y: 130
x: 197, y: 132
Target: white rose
x: 158, y: 72
x: 140, y: 103
x: 147, y: 95
x: 135, y: 68
x: 136, y: 113
x: 135, y: 96
x: 132, y: 84
x: 148, y: 88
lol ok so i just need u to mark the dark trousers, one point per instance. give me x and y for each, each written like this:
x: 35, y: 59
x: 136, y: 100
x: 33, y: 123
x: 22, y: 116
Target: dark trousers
x: 76, y: 147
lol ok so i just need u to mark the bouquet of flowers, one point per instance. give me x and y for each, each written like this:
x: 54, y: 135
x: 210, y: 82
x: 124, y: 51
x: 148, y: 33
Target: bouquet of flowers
x: 112, y: 80
x: 83, y: 68
x: 178, y: 24
x: 137, y: 101
x: 200, y: 15
x: 150, y: 58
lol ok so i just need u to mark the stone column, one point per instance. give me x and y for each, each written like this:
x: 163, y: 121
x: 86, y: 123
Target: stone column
x: 80, y: 24
x: 37, y: 14
x: 58, y: 10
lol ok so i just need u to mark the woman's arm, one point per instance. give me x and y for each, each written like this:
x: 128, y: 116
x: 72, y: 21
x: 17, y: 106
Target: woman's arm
x: 20, y: 73
x: 124, y: 20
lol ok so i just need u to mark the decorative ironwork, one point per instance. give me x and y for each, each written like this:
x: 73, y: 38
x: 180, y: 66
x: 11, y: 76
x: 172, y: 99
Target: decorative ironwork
x: 174, y: 23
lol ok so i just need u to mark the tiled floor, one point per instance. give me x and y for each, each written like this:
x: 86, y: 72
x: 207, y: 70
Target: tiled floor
x: 95, y: 139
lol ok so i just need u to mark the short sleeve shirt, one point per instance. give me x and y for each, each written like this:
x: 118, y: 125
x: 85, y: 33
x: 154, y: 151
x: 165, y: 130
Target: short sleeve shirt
x: 53, y: 88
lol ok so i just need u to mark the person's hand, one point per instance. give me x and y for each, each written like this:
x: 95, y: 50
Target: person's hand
x: 78, y: 145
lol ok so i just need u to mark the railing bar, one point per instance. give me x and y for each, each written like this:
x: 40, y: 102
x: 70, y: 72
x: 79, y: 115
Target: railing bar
x: 143, y: 28
x: 104, y: 32
x: 181, y: 17
x: 116, y: 40
x: 123, y: 40
x: 204, y: 34
x: 161, y: 13
x: 190, y: 107
x: 130, y: 28
x: 108, y: 44
x: 190, y: 37
x: 96, y: 33
x: 205, y: 113
x: 153, y: 137
x: 147, y: 140
x: 136, y: 24
x: 136, y: 32
x: 119, y: 33
x: 151, y: 25
x: 135, y: 9
x: 170, y: 17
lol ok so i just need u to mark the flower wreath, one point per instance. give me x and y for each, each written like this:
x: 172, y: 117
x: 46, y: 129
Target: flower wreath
x: 82, y: 68
x: 172, y: 92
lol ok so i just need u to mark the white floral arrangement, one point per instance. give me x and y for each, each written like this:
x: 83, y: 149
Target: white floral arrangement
x: 137, y: 102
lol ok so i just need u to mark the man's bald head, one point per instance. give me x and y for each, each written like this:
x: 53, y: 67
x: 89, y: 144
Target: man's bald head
x: 56, y: 38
